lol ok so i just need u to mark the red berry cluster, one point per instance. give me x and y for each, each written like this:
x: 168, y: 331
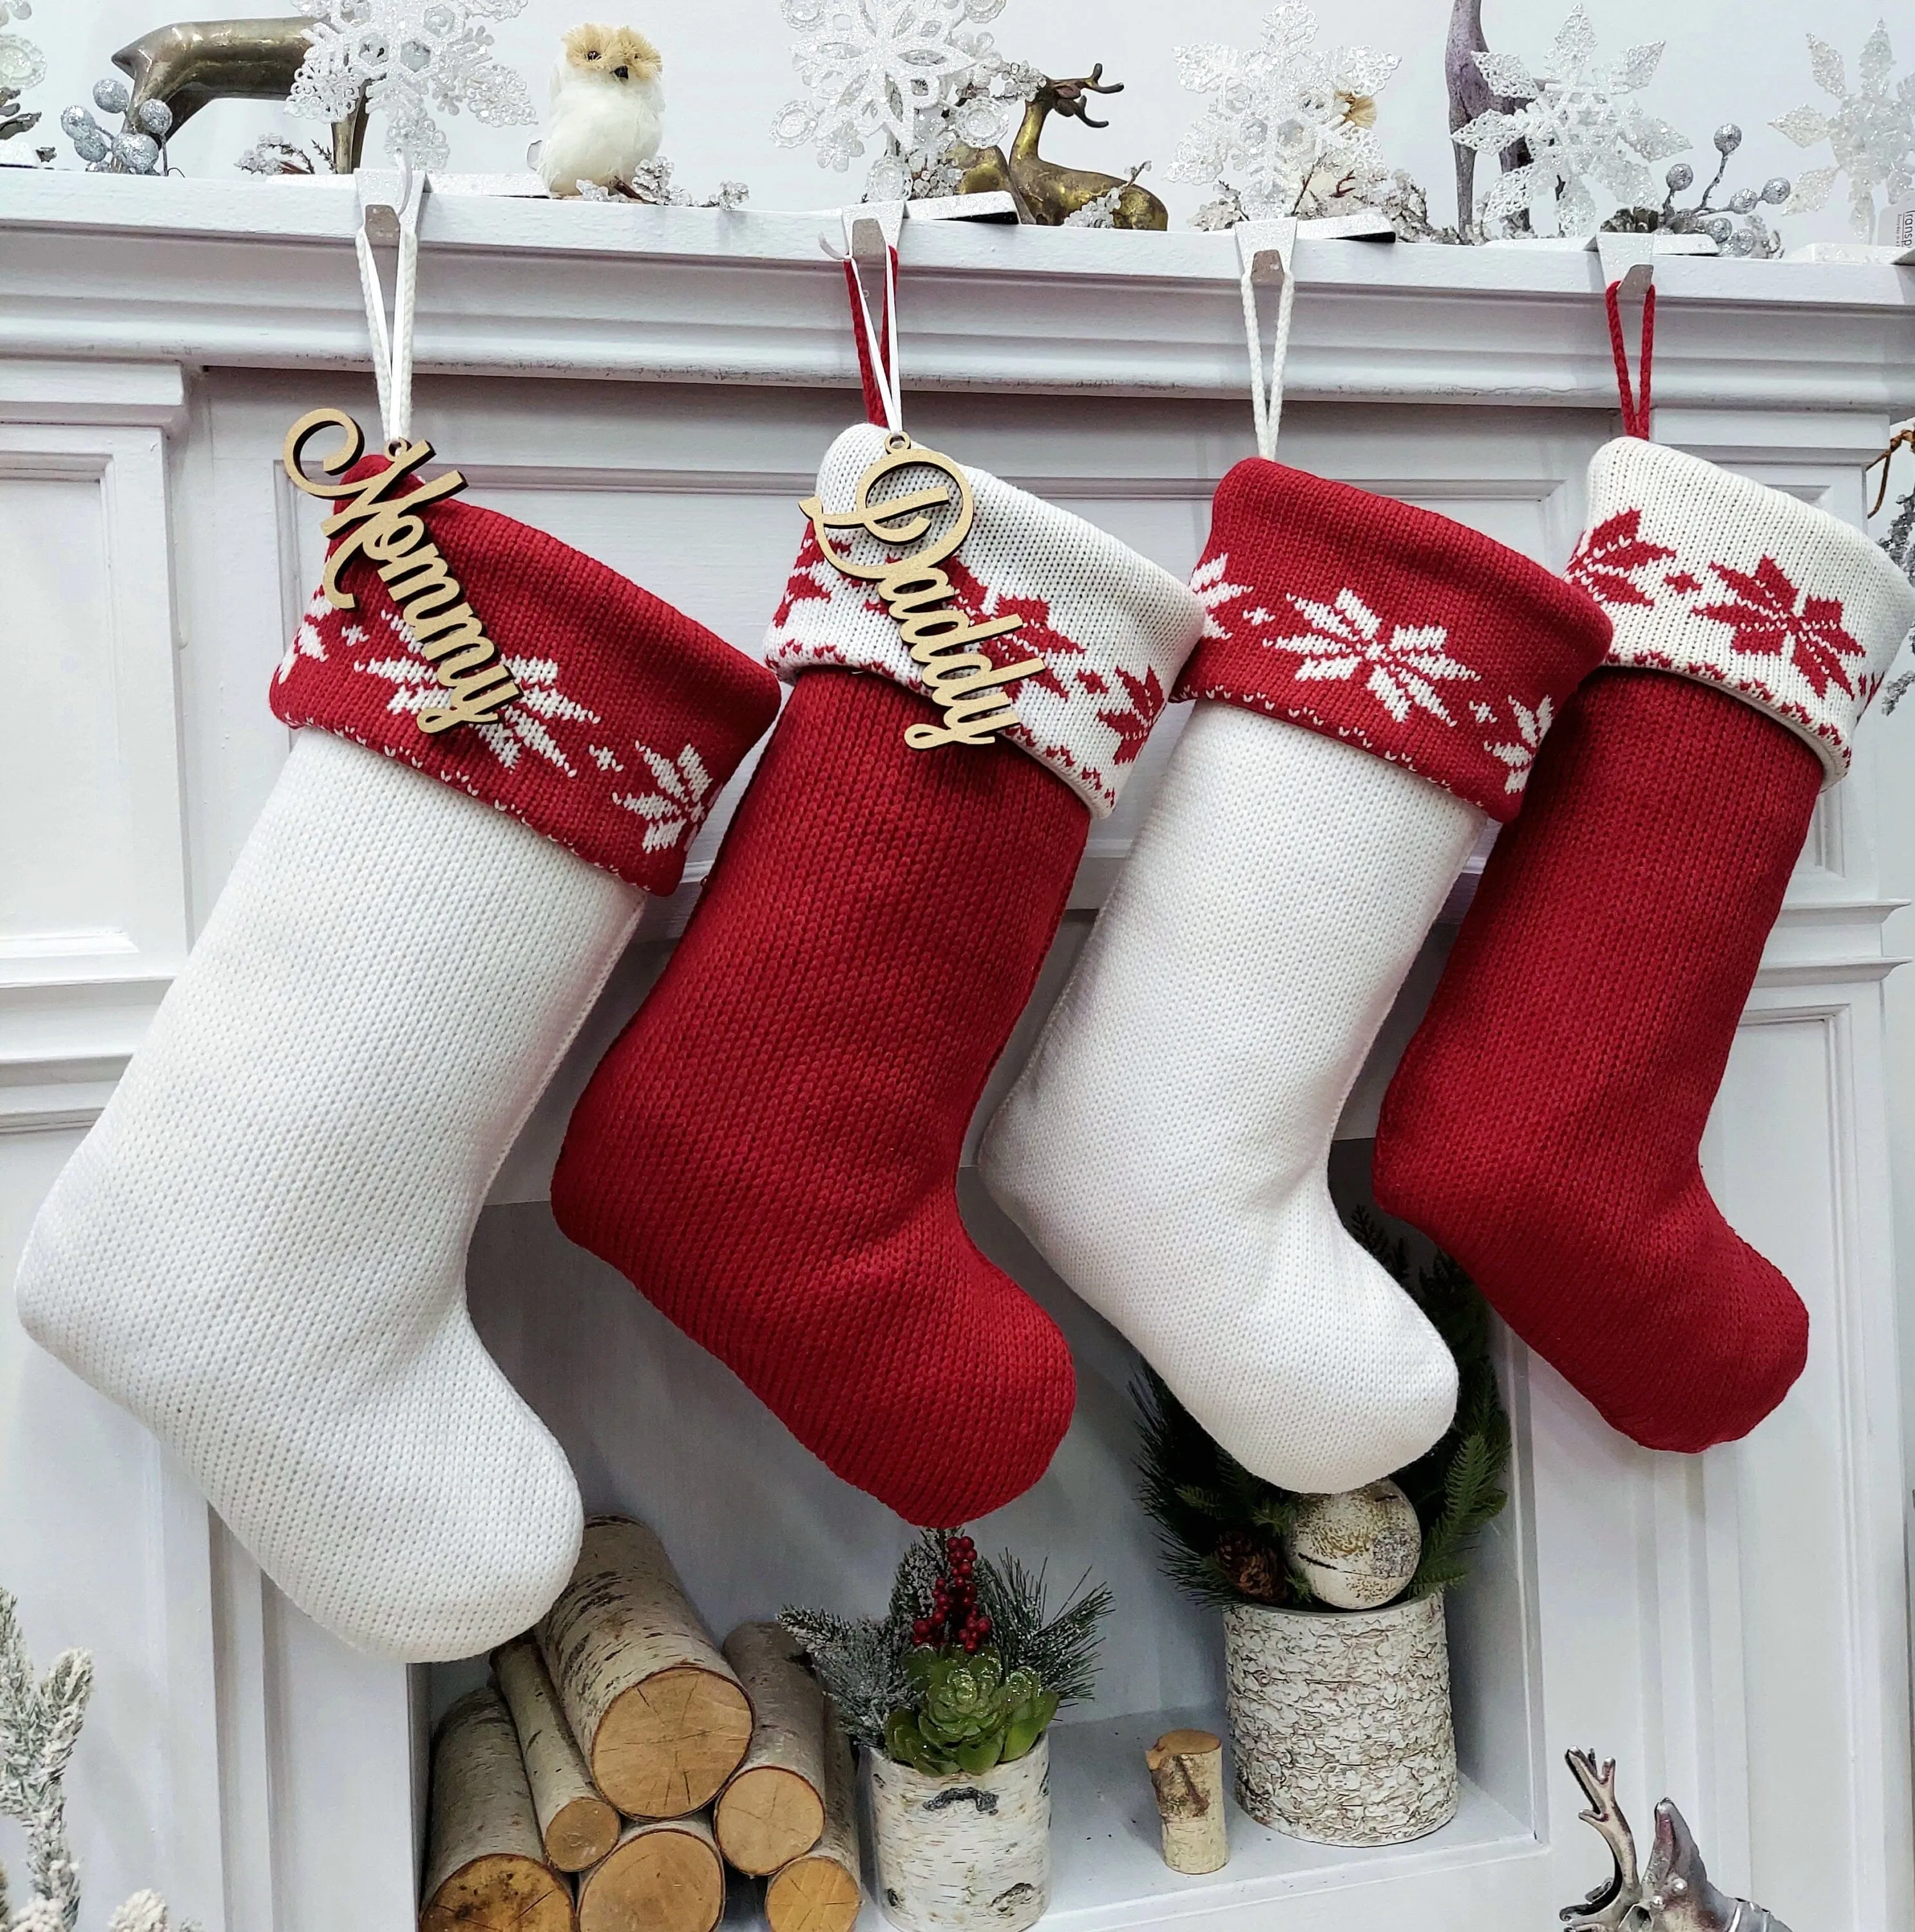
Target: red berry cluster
x: 955, y: 1617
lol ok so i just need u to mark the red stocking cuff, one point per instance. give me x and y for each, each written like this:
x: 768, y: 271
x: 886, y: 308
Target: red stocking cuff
x: 1391, y: 627
x: 628, y: 716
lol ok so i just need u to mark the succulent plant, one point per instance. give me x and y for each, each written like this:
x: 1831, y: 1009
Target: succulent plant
x: 971, y: 1713
x: 968, y: 1665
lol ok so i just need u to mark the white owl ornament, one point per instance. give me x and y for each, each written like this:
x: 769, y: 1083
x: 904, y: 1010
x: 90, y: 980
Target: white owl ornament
x: 607, y: 113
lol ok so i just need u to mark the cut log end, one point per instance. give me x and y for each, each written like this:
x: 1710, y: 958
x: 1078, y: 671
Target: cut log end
x: 1187, y: 1776
x: 577, y: 1826
x: 812, y: 1894
x: 667, y: 1745
x: 581, y: 1833
x: 768, y: 1817
x: 660, y: 1879
x: 500, y: 1892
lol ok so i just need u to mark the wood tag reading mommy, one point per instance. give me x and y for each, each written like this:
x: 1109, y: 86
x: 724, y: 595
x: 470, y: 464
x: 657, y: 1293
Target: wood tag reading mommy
x: 392, y: 535
x: 917, y: 595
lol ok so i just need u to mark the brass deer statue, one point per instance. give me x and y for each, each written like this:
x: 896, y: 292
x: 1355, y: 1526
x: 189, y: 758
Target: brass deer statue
x: 1673, y: 1894
x: 195, y: 61
x: 1044, y: 192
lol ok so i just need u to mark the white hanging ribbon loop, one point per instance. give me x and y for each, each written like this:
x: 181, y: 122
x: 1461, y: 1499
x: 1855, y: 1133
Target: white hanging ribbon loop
x: 389, y: 212
x: 1268, y: 252
x: 871, y: 232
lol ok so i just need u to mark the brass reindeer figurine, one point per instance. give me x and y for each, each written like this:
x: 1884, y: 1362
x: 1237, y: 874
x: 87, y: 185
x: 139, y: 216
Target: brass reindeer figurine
x: 193, y: 61
x: 1673, y: 1894
x: 1044, y: 192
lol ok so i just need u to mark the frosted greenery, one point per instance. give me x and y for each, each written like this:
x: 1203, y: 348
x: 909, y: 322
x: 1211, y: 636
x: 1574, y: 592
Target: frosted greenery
x: 39, y: 1727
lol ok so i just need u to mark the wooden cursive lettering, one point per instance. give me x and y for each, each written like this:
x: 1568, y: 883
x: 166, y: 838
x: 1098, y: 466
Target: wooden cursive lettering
x: 369, y: 520
x: 917, y: 593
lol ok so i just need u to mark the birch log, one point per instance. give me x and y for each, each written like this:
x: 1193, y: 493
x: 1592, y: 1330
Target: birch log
x: 963, y: 1852
x: 485, y: 1870
x: 577, y: 1826
x: 663, y: 1877
x: 820, y: 1892
x: 1186, y: 1774
x: 773, y: 1809
x: 660, y: 1716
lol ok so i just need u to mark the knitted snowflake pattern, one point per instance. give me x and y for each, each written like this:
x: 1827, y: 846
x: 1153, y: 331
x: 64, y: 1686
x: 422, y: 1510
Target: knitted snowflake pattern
x: 1401, y: 664
x: 407, y: 57
x: 675, y: 810
x: 1282, y: 117
x: 1871, y: 131
x: 1582, y: 132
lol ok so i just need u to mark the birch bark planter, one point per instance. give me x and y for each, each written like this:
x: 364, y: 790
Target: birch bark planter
x: 961, y: 1852
x: 1341, y: 1720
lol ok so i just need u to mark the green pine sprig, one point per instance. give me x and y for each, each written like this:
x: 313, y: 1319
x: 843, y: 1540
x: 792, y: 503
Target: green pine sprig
x: 864, y: 1664
x: 1219, y: 1526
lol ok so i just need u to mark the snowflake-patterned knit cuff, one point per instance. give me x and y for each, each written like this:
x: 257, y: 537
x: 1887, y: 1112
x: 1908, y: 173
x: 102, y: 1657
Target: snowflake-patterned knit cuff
x: 1112, y: 630
x: 1396, y: 629
x: 629, y: 716
x: 1713, y: 577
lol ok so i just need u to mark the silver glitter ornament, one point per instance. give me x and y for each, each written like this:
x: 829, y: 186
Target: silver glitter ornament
x: 137, y: 154
x: 1752, y: 237
x: 1582, y: 131
x: 135, y: 149
x: 403, y: 60
x: 1871, y: 131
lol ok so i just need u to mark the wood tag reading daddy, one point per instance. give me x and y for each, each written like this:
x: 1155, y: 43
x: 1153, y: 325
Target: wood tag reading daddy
x: 917, y: 594
x: 392, y: 535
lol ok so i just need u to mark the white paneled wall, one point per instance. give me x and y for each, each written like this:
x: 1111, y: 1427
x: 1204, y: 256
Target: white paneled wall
x: 1732, y: 1628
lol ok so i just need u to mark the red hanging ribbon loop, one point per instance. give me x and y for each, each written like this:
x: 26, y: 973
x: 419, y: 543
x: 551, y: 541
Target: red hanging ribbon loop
x: 873, y: 356
x: 1636, y: 406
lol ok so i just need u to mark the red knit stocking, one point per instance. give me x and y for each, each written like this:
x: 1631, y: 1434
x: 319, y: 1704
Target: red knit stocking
x: 769, y: 1152
x: 1544, y: 1126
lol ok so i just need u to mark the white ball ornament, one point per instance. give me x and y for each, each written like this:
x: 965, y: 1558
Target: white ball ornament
x: 1356, y: 1549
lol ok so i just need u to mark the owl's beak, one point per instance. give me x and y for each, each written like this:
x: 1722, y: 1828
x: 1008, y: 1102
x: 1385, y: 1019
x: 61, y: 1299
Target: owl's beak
x: 624, y: 73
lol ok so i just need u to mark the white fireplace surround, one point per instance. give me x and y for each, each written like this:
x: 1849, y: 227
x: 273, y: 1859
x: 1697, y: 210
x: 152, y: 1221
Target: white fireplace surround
x: 655, y: 386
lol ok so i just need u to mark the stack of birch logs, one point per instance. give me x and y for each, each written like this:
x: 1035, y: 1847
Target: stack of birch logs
x: 619, y: 1760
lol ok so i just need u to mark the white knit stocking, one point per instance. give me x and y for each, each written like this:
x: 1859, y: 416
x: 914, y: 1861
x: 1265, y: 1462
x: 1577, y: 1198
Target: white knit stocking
x: 260, y: 1249
x: 1166, y: 1148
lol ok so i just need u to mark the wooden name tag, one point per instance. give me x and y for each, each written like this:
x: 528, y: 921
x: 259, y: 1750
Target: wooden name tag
x: 388, y: 531
x: 917, y: 595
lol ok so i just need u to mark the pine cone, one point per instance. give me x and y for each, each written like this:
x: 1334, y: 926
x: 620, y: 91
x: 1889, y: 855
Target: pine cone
x: 1252, y: 1568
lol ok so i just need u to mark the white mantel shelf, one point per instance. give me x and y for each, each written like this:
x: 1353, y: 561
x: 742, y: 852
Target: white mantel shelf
x: 260, y: 273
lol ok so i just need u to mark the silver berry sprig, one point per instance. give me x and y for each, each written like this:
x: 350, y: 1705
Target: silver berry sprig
x: 138, y: 148
x: 1753, y: 237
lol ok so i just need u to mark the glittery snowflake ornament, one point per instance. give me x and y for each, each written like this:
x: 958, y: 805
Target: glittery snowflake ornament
x: 407, y: 57
x: 889, y: 72
x: 1581, y: 134
x: 1286, y: 120
x: 1872, y: 131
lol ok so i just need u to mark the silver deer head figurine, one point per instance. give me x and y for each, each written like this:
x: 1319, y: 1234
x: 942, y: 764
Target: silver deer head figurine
x: 1673, y: 1894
